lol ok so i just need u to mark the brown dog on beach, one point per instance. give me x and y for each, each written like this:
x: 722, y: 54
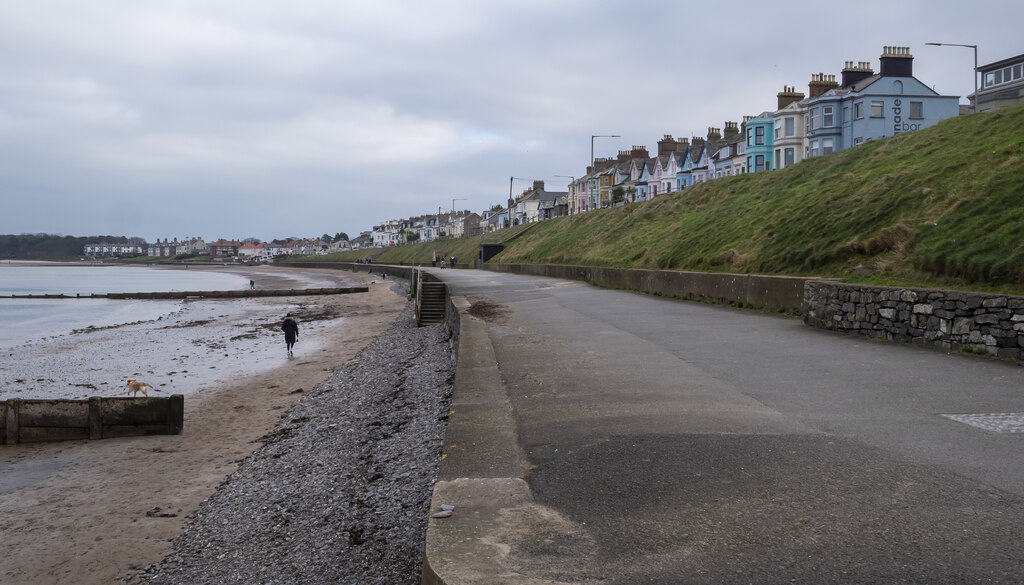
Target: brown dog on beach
x: 136, y: 387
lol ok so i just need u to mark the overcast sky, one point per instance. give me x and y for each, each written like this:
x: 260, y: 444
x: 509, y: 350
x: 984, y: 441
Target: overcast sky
x: 249, y: 118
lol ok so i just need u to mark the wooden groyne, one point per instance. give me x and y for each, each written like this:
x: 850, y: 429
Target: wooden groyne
x: 204, y: 294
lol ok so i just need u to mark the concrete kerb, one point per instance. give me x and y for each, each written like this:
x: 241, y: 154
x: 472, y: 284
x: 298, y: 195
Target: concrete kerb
x: 481, y: 475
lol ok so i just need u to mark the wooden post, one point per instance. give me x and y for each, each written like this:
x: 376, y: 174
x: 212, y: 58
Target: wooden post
x: 13, y: 432
x: 95, y: 420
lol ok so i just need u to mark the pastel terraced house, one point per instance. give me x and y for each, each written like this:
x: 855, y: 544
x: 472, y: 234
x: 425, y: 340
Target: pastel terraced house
x: 867, y: 105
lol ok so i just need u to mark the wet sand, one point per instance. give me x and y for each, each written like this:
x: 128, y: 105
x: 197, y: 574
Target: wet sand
x: 90, y: 511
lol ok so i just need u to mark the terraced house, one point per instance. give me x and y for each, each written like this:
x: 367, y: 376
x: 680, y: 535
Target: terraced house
x: 868, y: 105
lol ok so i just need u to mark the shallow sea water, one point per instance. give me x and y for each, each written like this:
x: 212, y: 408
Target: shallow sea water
x: 77, y: 348
x: 23, y: 320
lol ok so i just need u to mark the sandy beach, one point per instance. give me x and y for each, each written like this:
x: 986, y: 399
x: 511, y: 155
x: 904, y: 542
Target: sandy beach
x: 91, y: 511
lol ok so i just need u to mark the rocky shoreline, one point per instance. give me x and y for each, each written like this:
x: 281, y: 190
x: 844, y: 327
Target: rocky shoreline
x: 340, y: 490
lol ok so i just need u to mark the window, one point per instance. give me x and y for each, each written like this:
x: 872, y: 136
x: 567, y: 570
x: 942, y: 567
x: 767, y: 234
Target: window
x: 811, y: 117
x: 814, y: 148
x: 759, y: 135
x: 858, y: 111
x: 778, y: 129
x: 917, y: 110
x: 790, y: 127
x: 858, y: 140
x: 876, y: 109
x: 826, y: 146
x: 827, y: 118
x: 778, y: 158
x: 790, y: 154
x: 750, y: 137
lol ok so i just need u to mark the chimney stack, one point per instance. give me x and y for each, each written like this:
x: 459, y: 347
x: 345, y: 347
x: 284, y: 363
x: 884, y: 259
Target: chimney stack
x: 732, y: 131
x: 788, y: 95
x: 820, y: 83
x: 896, y: 62
x: 538, y: 185
x: 639, y: 152
x: 667, y: 145
x: 714, y: 133
x: 855, y: 73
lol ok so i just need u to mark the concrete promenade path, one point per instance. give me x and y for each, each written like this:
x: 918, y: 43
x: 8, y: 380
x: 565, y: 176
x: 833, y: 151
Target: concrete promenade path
x: 602, y: 436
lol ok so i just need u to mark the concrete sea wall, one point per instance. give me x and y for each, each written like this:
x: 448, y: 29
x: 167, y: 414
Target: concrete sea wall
x: 33, y: 421
x: 945, y: 319
x: 782, y: 293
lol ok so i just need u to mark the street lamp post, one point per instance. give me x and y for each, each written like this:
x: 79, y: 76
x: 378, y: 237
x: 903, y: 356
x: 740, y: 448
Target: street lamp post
x: 592, y: 137
x: 974, y: 103
x: 511, y: 199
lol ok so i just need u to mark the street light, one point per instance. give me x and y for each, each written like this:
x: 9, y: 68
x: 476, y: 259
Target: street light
x: 592, y: 137
x: 511, y: 199
x: 459, y: 199
x: 974, y: 103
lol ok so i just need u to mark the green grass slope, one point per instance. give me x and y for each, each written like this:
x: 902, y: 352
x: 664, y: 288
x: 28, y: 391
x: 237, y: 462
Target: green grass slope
x: 943, y: 206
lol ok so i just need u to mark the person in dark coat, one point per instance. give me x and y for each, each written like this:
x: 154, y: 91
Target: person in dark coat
x: 291, y: 331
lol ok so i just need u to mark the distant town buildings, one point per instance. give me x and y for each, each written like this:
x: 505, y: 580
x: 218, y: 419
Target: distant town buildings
x: 249, y: 251
x: 106, y: 249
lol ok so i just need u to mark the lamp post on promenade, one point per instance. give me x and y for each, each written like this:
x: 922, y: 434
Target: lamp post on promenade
x: 974, y: 102
x: 592, y: 137
x: 511, y: 199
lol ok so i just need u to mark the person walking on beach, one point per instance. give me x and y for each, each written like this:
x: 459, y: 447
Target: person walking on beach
x: 252, y: 284
x: 291, y: 332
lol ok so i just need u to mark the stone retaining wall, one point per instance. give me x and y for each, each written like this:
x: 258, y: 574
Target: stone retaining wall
x: 946, y: 319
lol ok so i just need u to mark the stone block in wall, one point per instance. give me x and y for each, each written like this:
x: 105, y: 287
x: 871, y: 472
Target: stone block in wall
x: 986, y: 319
x: 944, y: 314
x: 887, y: 313
x: 994, y: 303
x: 923, y: 308
x: 908, y: 296
x: 962, y: 325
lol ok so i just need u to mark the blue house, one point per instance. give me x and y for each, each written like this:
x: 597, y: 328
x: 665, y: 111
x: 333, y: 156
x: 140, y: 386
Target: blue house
x: 868, y: 105
x: 758, y: 131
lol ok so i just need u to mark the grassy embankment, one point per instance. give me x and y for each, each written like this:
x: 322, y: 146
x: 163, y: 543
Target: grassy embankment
x: 941, y: 207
